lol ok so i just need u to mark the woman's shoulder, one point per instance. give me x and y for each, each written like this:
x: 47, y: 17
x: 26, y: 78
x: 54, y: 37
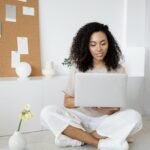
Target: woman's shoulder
x: 120, y: 69
x: 74, y: 69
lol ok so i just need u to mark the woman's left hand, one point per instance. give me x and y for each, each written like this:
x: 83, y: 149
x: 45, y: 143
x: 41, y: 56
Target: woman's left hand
x: 107, y: 110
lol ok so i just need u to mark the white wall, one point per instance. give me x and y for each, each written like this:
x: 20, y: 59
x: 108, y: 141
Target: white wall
x: 134, y: 36
x: 147, y: 66
x: 135, y: 23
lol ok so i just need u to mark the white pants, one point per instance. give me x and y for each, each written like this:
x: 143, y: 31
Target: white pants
x: 120, y: 125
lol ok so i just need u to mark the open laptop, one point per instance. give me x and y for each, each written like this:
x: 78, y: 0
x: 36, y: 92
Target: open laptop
x: 100, y: 89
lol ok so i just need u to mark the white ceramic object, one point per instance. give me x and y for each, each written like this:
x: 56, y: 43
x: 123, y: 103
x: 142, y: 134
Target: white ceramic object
x: 49, y: 70
x: 17, y: 141
x: 23, y: 70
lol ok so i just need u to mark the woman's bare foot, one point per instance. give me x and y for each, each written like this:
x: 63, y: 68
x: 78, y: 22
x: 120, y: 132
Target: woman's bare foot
x: 97, y: 136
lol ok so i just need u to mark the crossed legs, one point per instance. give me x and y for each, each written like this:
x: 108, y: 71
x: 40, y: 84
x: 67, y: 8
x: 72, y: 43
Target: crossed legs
x: 83, y: 136
x: 119, y: 126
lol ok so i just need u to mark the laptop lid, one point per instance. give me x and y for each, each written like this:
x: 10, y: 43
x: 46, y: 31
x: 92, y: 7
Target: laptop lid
x: 100, y: 89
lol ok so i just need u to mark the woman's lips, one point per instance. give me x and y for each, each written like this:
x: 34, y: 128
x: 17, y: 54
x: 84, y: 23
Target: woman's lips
x: 99, y: 55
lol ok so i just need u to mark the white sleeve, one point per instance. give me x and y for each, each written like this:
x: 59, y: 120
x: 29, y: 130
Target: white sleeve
x: 70, y: 83
x: 121, y: 69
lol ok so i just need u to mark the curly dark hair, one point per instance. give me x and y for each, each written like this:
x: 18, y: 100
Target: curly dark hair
x: 80, y: 54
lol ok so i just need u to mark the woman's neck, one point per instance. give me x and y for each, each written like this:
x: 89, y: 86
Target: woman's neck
x: 98, y: 64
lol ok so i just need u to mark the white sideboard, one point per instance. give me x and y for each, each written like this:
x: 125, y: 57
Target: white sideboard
x: 39, y: 92
x: 36, y: 91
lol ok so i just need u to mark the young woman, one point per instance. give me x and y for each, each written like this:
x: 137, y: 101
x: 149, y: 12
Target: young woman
x: 94, y: 49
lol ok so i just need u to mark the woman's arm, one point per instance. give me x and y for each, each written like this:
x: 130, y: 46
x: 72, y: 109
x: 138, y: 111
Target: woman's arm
x: 69, y: 101
x: 107, y: 110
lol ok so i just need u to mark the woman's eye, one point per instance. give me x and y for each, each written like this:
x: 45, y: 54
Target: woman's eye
x: 103, y: 44
x: 92, y: 45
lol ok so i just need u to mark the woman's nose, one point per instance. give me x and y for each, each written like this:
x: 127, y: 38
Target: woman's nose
x: 99, y: 48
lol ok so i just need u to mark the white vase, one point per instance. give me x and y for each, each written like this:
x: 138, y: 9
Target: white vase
x: 23, y: 70
x: 49, y: 70
x: 48, y: 73
x: 17, y: 141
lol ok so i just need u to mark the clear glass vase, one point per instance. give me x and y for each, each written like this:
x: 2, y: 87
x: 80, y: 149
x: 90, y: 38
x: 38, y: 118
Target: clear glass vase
x: 17, y: 141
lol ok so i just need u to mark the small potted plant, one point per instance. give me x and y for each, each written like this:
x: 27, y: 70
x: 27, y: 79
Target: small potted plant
x: 67, y: 62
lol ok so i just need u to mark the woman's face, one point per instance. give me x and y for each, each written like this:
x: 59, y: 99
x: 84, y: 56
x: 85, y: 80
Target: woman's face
x: 98, y: 46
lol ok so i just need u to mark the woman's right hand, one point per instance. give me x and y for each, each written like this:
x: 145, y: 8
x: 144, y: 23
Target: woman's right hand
x: 69, y: 101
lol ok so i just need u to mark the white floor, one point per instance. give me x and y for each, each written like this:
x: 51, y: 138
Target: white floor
x: 44, y: 140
